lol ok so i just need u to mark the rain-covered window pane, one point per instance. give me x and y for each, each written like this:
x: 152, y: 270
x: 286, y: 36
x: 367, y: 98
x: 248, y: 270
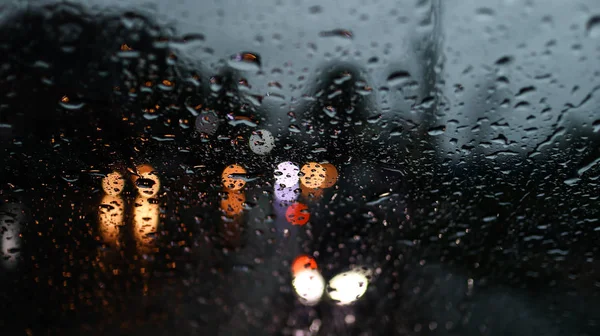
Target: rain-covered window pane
x: 360, y: 167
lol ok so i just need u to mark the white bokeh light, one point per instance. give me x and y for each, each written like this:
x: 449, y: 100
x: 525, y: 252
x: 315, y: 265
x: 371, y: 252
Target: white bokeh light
x: 286, y: 195
x: 347, y: 287
x: 287, y: 174
x: 262, y: 142
x: 11, y: 218
x: 309, y: 286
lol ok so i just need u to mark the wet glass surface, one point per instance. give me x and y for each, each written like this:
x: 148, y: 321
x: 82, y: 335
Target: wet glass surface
x: 417, y: 167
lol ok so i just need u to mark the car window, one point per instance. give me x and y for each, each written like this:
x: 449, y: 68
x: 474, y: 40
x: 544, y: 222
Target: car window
x: 420, y: 167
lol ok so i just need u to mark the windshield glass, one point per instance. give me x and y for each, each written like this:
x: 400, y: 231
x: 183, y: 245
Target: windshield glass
x: 420, y: 167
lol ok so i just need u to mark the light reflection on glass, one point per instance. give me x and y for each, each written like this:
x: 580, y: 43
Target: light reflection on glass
x: 309, y: 286
x: 11, y: 217
x: 111, y: 213
x: 145, y: 222
x: 287, y: 174
x: 347, y: 287
x: 297, y: 214
x: 113, y: 184
x: 229, y: 179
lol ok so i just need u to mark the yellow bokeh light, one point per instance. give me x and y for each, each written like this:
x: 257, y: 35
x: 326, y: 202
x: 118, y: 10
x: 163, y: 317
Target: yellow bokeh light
x: 348, y: 287
x: 146, y: 182
x: 309, y: 286
x: 146, y: 213
x: 113, y: 184
x: 111, y: 213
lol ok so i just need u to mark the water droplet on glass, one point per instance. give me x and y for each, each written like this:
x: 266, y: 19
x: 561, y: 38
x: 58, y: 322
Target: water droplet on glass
x: 70, y: 104
x: 398, y: 77
x: 439, y: 130
x: 592, y: 27
x: 245, y: 61
x: 342, y: 33
x: 505, y: 60
x: 315, y: 9
x: 484, y: 13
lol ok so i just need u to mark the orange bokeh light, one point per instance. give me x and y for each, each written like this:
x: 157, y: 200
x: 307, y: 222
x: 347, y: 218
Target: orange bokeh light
x: 146, y: 219
x: 230, y: 182
x: 302, y: 263
x: 111, y: 213
x: 233, y: 202
x: 297, y: 214
x: 312, y: 175
x: 331, y: 175
x: 141, y: 169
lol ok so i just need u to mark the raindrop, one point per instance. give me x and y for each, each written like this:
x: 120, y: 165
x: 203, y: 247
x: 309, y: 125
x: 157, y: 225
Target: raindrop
x: 330, y: 111
x: 398, y: 77
x: 189, y: 38
x: 505, y: 60
x: 439, y: 130
x: 315, y: 9
x: 69, y: 104
x: 343, y: 33
x: 245, y: 61
x: 596, y: 126
x: 525, y: 90
x: 484, y: 13
x: 592, y: 27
